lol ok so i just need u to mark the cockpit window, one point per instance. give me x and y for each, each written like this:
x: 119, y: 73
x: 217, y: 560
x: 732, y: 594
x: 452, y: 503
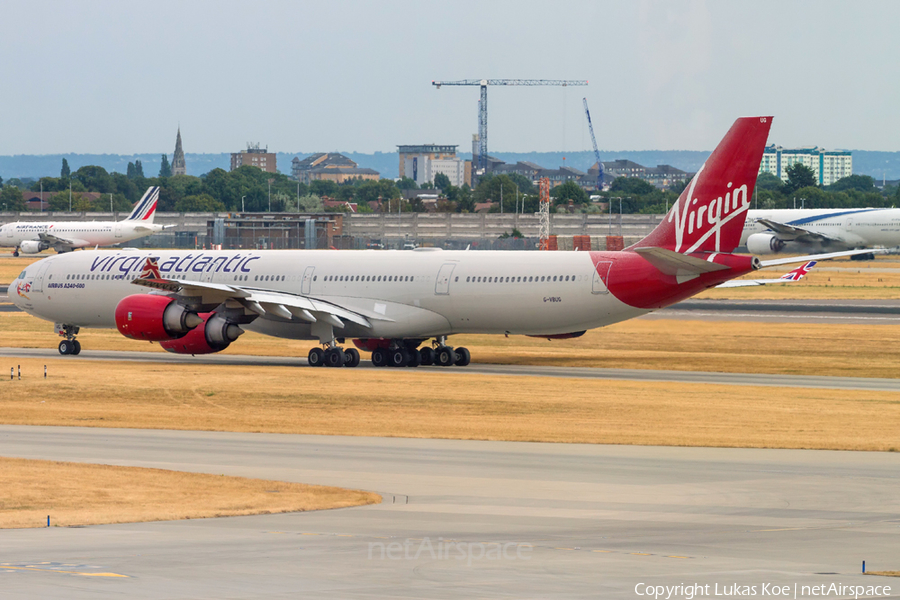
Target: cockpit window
x: 22, y: 275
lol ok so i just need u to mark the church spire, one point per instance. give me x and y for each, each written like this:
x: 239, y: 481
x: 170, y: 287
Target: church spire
x: 178, y: 167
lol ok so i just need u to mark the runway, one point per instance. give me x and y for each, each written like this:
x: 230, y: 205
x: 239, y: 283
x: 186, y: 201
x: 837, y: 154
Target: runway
x: 708, y: 377
x: 576, y: 521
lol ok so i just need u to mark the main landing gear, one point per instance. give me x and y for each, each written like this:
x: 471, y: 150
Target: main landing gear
x: 400, y: 355
x: 69, y: 345
x: 333, y: 356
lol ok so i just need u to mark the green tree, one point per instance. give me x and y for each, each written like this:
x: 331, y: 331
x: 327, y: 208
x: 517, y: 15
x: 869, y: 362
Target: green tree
x: 525, y: 185
x: 372, y: 191
x: 493, y: 188
x: 165, y: 170
x: 199, y: 203
x: 860, y: 183
x: 95, y: 179
x: 323, y: 187
x: 64, y: 171
x: 11, y: 198
x: 405, y: 183
x: 569, y: 191
x: 441, y: 181
x: 767, y: 181
x: 630, y: 185
x: 799, y: 176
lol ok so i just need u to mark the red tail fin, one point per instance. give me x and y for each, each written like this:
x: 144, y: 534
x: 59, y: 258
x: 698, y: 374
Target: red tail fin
x: 709, y: 215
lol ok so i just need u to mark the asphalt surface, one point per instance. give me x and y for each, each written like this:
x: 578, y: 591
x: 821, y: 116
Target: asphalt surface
x: 768, y: 380
x: 469, y: 519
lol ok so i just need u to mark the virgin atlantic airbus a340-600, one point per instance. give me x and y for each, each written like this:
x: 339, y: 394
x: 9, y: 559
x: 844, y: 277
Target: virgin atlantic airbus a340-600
x: 391, y: 303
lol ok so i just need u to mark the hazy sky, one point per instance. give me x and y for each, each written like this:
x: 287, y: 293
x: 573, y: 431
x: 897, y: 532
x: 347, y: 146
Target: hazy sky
x: 119, y: 77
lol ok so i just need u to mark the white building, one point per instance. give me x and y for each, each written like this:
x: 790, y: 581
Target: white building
x: 422, y: 163
x: 827, y: 165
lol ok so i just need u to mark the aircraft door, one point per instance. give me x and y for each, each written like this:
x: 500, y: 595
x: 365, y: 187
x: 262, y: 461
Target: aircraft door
x: 306, y: 285
x: 442, y: 283
x: 600, y: 284
x: 37, y: 283
x: 9, y: 230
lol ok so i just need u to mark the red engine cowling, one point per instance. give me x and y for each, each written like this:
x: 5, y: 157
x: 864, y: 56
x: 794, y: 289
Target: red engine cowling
x: 154, y: 318
x: 214, y: 335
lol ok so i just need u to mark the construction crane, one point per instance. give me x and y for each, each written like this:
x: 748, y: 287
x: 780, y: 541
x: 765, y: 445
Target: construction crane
x: 482, y: 104
x: 596, y: 151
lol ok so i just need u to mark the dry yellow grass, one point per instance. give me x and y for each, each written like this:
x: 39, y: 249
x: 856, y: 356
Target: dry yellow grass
x: 88, y: 494
x: 446, y: 405
x: 884, y: 573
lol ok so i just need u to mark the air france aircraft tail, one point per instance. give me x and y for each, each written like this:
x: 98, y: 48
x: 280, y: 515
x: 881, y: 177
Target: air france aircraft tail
x: 145, y: 209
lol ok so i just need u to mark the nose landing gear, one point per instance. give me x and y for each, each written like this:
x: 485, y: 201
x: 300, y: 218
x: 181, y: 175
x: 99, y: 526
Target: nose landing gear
x: 69, y: 345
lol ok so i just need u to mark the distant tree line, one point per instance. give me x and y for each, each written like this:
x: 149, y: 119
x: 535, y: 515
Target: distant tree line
x: 253, y: 190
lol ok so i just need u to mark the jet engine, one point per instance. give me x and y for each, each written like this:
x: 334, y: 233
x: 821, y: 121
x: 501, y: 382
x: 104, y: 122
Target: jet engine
x: 32, y: 247
x: 764, y: 243
x: 214, y: 335
x: 154, y: 318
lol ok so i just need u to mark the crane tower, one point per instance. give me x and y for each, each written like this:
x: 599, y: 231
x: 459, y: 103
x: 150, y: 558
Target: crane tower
x: 481, y: 163
x: 596, y: 151
x: 544, y: 188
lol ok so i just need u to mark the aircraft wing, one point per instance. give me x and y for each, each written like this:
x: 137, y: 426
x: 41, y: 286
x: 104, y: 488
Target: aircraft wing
x: 60, y: 244
x: 798, y: 259
x: 792, y: 233
x: 262, y: 302
x: 795, y: 275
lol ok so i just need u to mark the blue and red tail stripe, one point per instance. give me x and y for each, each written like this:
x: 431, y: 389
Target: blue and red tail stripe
x: 146, y: 206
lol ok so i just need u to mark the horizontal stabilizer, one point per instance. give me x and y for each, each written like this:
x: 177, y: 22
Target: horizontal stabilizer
x: 674, y: 263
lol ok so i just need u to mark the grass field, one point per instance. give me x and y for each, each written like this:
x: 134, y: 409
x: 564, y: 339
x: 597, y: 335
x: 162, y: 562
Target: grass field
x: 446, y: 405
x: 87, y: 494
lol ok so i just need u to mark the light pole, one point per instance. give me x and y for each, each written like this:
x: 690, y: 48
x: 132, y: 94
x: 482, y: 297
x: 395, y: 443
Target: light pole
x: 242, y: 203
x: 70, y: 193
x: 270, y: 194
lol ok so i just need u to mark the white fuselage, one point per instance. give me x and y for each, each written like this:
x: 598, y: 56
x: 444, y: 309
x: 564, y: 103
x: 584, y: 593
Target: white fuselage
x: 417, y: 293
x: 853, y: 228
x: 81, y: 233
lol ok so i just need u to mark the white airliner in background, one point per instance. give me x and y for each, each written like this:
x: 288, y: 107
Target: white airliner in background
x: 820, y: 230
x: 31, y: 237
x: 390, y: 302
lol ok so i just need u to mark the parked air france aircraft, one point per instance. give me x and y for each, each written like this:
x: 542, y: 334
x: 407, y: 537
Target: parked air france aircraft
x: 390, y: 302
x: 32, y: 237
x: 822, y: 230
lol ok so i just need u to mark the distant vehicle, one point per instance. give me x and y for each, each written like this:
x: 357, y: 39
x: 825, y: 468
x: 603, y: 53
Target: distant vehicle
x: 821, y: 230
x: 32, y: 237
x: 410, y: 246
x: 375, y: 245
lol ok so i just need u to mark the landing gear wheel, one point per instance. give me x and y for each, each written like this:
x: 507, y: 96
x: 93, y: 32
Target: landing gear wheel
x: 445, y: 356
x: 426, y: 356
x: 415, y: 359
x: 379, y: 357
x: 399, y: 357
x: 16, y: 252
x: 351, y: 357
x: 316, y: 357
x: 462, y: 357
x: 66, y: 347
x: 77, y: 349
x: 334, y: 357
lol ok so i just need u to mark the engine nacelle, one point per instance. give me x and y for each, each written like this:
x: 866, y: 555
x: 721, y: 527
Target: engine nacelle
x: 214, y: 335
x: 154, y: 318
x: 764, y: 243
x: 32, y: 247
